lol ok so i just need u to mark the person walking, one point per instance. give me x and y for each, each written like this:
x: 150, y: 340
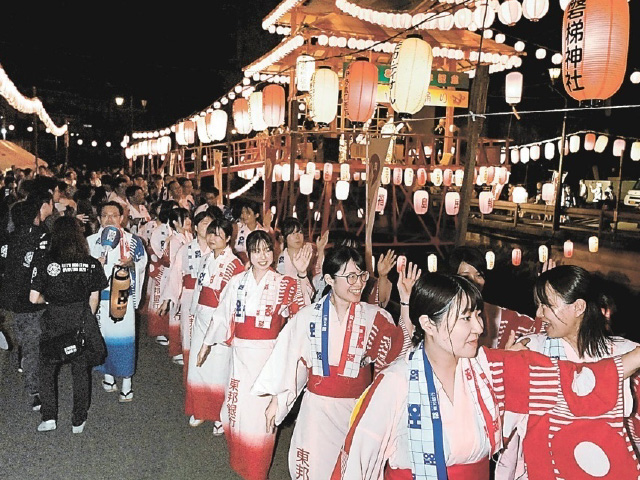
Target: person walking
x: 69, y: 281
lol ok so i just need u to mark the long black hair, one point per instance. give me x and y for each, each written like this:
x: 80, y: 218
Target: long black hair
x: 68, y: 243
x: 435, y: 294
x: 336, y: 258
x: 469, y: 255
x: 290, y: 225
x: 573, y: 283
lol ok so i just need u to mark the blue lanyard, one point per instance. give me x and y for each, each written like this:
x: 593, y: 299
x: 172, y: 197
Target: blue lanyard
x: 325, y: 337
x: 436, y: 420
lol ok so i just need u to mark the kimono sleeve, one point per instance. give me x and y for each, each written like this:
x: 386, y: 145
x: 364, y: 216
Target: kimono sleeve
x: 387, y: 341
x: 172, y: 288
x: 140, y: 267
x: 285, y: 373
x: 370, y: 440
x: 219, y: 330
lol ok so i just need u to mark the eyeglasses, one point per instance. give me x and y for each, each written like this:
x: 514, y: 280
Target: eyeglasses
x: 352, y: 277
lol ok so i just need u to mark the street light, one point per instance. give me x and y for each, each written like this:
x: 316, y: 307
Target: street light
x: 119, y: 101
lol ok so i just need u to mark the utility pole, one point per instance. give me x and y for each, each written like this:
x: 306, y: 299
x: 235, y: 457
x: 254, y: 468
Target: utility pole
x: 35, y: 132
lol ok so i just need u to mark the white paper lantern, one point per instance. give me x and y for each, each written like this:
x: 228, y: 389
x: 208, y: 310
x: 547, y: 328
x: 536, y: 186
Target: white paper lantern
x: 421, y: 201
x: 534, y: 10
x: 618, y: 147
x: 408, y: 176
x: 324, y: 96
x: 534, y: 152
x: 548, y: 192
x: 255, y: 112
x: 310, y: 168
x: 432, y: 263
x: 447, y: 178
x: 549, y: 150
x: 490, y: 257
x: 345, y: 172
x: 437, y: 177
x: 513, y: 88
x: 452, y: 203
x: 286, y: 173
x: 520, y: 195
x: 593, y: 244
x: 485, y: 202
x: 385, y: 178
x: 601, y: 143
x: 342, y: 190
x: 216, y: 123
x: 306, y: 183
x: 459, y: 177
x: 410, y: 75
x: 516, y: 257
x: 524, y: 155
x: 574, y: 143
x: 568, y: 249
x: 515, y: 155
x: 305, y: 67
x: 397, y: 176
x: 463, y: 17
x: 541, y: 53
x: 241, y: 118
x: 543, y: 253
x: 510, y: 12
x: 381, y: 200
x: 483, y: 15
x: 635, y: 151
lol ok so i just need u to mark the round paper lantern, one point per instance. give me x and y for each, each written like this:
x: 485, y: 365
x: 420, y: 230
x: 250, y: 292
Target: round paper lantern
x: 563, y: 4
x: 593, y: 244
x: 360, y: 90
x: 458, y: 177
x: 447, y: 179
x: 515, y: 155
x: 339, y: 215
x: 385, y: 178
x: 549, y: 150
x: 618, y: 147
x: 255, y: 112
x: 524, y: 154
x: 491, y: 175
x: 510, y: 12
x: 432, y: 263
x: 541, y: 53
x: 483, y: 15
x: 273, y: 105
x: 520, y: 195
x: 216, y: 123
x: 328, y: 172
x: 589, y: 141
x: 463, y: 18
x: 305, y: 66
x: 397, y: 176
x: 516, y: 257
x: 410, y: 75
x: 422, y: 175
x: 345, y: 172
x: 534, y: 152
x: 408, y: 176
x: 601, y: 143
x: 534, y: 10
x: 452, y: 203
x: 421, y: 201
x: 277, y: 173
x: 306, y: 183
x: 513, y: 88
x: 490, y: 257
x: 241, y: 119
x: 381, y: 200
x: 436, y: 177
x: 324, y: 95
x: 310, y: 168
x: 568, y: 249
x: 543, y: 253
x: 548, y: 192
x: 635, y: 151
x: 342, y: 189
x: 574, y: 143
x: 485, y: 201
x: 595, y: 42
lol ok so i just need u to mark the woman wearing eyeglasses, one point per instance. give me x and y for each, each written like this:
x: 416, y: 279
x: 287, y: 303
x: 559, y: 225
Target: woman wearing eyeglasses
x: 333, y: 347
x: 253, y: 309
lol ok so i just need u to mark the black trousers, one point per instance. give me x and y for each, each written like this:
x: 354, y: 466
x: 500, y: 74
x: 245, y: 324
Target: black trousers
x: 81, y: 376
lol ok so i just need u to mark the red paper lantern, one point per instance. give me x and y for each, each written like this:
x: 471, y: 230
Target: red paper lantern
x: 273, y: 105
x: 241, y: 119
x: 360, y: 90
x: 397, y: 176
x: 595, y: 42
x: 485, y: 201
x: 328, y: 172
x: 448, y: 177
x: 516, y: 257
x: 589, y: 141
x: 422, y: 177
x: 452, y: 203
x: 421, y: 202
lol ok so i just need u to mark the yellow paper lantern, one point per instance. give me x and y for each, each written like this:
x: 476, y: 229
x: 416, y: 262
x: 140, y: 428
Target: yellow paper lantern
x: 432, y: 263
x: 345, y: 172
x: 543, y: 253
x: 593, y: 244
x: 490, y: 257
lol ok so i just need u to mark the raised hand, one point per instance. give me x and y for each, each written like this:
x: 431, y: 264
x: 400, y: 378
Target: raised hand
x: 406, y: 280
x: 386, y: 262
x: 321, y: 241
x: 302, y: 259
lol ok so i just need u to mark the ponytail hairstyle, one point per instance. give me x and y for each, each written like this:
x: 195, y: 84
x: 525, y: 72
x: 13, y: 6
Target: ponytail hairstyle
x: 573, y: 283
x: 177, y: 215
x: 435, y: 294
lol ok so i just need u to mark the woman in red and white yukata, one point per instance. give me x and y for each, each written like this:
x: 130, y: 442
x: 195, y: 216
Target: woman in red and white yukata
x: 206, y: 381
x: 180, y: 223
x: 253, y: 309
x: 575, y: 314
x: 249, y: 214
x: 333, y: 348
x: 181, y: 281
x: 438, y: 413
x: 158, y: 325
x: 470, y: 263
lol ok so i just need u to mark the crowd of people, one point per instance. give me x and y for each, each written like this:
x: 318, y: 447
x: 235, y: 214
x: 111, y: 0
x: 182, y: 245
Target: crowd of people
x: 258, y: 316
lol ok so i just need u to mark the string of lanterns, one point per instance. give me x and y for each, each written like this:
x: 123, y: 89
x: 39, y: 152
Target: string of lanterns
x: 27, y: 105
x: 246, y: 187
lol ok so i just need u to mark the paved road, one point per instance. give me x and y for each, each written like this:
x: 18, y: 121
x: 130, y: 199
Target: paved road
x: 148, y: 438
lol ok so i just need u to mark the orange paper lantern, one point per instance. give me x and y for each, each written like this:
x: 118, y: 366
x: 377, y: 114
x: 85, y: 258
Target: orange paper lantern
x: 241, y: 119
x: 422, y: 177
x: 273, y: 105
x: 516, y: 257
x: 595, y: 41
x: 360, y: 89
x: 589, y: 141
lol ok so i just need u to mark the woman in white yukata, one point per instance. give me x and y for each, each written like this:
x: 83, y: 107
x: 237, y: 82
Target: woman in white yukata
x: 249, y: 214
x: 180, y: 223
x: 206, y: 381
x: 576, y: 315
x: 293, y: 240
x: 252, y: 311
x: 438, y: 413
x: 182, y: 276
x: 333, y: 348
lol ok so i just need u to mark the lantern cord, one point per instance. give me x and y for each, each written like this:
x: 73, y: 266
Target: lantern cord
x: 245, y: 187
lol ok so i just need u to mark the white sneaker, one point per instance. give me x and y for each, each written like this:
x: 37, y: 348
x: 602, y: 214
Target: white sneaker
x: 47, y: 426
x: 78, y: 428
x: 194, y: 422
x: 217, y: 429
